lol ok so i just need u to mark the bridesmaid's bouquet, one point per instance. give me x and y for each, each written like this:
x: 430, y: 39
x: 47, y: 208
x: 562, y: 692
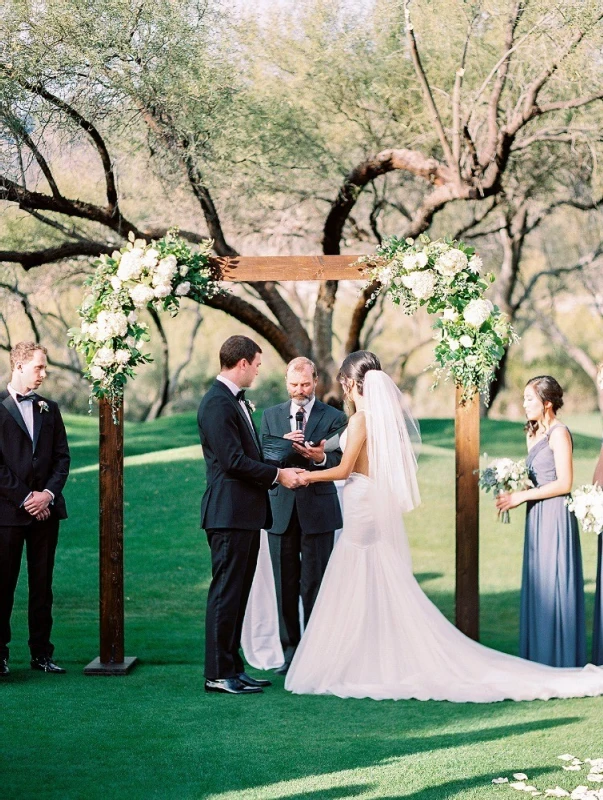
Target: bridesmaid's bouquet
x: 504, y: 475
x: 587, y: 504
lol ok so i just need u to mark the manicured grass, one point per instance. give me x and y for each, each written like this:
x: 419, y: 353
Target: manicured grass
x: 155, y: 734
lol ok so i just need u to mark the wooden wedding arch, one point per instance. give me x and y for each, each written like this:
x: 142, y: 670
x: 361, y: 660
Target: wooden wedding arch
x: 112, y: 659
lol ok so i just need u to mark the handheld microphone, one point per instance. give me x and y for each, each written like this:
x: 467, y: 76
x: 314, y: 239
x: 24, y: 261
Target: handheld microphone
x: 299, y: 420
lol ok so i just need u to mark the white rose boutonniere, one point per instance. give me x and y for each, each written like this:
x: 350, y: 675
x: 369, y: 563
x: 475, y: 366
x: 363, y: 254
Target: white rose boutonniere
x: 250, y: 406
x: 43, y: 406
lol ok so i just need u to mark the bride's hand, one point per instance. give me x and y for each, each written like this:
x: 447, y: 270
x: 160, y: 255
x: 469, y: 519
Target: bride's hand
x: 304, y: 477
x: 509, y: 500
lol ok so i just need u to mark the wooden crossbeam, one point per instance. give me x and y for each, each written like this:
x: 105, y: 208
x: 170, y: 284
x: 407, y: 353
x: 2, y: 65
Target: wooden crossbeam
x: 287, y: 268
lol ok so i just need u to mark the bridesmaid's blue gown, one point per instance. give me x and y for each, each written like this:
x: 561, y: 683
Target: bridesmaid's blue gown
x: 552, y: 626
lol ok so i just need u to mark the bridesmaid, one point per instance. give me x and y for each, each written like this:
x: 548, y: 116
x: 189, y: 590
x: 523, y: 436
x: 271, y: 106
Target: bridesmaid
x: 552, y: 627
x: 598, y: 620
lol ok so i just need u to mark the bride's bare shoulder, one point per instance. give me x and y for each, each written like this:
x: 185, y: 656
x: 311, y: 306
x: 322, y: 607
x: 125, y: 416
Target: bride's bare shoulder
x: 357, y: 421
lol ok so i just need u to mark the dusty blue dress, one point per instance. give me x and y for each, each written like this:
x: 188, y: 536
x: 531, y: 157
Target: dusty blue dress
x: 552, y: 627
x: 598, y: 620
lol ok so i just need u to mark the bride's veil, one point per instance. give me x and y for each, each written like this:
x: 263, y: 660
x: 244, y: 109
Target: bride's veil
x: 391, y: 435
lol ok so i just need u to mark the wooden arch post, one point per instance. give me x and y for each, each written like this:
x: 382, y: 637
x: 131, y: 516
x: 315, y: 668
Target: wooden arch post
x: 112, y: 660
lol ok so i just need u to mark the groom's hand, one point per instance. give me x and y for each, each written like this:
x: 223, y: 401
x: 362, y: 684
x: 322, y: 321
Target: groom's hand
x: 289, y: 477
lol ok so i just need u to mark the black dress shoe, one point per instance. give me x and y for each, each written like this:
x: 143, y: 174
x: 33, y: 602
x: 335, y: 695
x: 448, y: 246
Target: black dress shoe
x: 284, y: 669
x: 231, y: 686
x: 249, y: 681
x: 4, y: 670
x: 46, y: 664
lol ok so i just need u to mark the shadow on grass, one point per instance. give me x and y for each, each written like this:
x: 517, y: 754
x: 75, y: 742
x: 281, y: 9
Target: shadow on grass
x: 459, y: 787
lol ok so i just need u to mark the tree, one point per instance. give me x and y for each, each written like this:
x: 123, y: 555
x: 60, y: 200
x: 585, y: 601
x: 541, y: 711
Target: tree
x: 283, y: 111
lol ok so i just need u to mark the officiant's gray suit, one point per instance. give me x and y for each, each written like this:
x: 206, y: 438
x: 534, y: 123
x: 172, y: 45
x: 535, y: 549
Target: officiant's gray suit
x: 304, y: 522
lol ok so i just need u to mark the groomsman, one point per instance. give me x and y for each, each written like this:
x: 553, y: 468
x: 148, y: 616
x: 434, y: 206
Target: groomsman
x: 233, y: 511
x: 34, y: 465
x: 302, y: 533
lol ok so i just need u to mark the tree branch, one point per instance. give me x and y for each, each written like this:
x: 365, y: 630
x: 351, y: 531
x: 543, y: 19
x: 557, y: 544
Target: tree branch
x: 36, y: 258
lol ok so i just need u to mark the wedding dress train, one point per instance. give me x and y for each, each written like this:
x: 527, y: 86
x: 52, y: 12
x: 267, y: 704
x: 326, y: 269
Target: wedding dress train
x: 373, y: 632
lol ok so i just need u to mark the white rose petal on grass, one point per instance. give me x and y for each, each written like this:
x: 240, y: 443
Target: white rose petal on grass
x: 520, y: 776
x: 556, y: 792
x: 141, y: 295
x: 500, y: 780
x: 595, y: 777
x: 477, y: 312
x: 572, y: 768
x: 182, y: 289
x: 566, y: 757
x: 519, y: 785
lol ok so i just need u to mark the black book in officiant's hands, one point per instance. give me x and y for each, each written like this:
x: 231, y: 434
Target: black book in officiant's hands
x: 280, y: 451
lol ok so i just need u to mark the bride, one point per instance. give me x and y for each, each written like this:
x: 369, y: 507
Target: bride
x: 373, y: 632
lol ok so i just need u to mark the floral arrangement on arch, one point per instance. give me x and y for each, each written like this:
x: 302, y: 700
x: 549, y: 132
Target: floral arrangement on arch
x: 446, y: 277
x: 140, y: 275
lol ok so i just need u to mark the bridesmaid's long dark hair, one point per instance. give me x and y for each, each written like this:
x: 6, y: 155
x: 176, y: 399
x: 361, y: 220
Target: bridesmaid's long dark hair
x: 354, y: 368
x: 548, y: 390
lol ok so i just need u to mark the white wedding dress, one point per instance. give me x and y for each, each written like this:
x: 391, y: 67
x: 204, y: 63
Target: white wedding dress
x: 373, y: 632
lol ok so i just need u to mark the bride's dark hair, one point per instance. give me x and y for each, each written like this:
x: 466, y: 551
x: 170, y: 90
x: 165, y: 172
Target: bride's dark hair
x: 354, y: 368
x: 547, y: 389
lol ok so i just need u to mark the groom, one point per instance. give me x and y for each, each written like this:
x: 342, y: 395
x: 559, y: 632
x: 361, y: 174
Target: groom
x: 234, y: 509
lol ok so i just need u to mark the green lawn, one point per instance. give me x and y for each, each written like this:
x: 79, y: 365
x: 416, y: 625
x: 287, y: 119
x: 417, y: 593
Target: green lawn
x: 156, y: 734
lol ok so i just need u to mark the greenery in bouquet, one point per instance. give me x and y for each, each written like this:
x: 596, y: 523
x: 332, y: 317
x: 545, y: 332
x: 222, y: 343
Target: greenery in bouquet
x: 505, y: 475
x: 586, y: 502
x: 446, y: 277
x: 141, y: 275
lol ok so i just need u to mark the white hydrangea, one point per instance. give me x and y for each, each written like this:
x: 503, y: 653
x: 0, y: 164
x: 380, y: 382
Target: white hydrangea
x: 466, y: 341
x: 141, y: 295
x: 163, y: 290
x: 475, y: 264
x: 104, y: 357
x: 111, y: 324
x: 97, y: 373
x: 451, y: 262
x: 149, y: 260
x: 421, y: 284
x: 122, y: 356
x: 165, y: 270
x: 412, y: 261
x: 183, y: 289
x: 130, y: 265
x: 477, y: 312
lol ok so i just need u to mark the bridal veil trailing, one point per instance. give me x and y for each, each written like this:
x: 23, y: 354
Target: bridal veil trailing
x: 373, y: 632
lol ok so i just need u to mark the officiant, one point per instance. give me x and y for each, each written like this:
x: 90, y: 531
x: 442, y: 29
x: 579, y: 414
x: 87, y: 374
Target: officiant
x: 305, y: 519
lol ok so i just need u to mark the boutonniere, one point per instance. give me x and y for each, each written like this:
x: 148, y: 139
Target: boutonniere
x: 43, y: 406
x: 250, y: 405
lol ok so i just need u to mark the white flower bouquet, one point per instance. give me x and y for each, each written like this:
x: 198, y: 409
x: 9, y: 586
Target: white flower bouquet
x: 504, y: 475
x: 586, y: 502
x: 139, y: 276
x: 446, y: 277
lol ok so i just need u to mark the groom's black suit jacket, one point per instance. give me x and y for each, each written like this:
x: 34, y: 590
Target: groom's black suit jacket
x: 237, y: 480
x: 27, y: 466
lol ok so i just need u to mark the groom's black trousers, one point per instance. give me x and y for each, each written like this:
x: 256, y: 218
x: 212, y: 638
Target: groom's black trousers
x: 234, y: 555
x: 40, y: 540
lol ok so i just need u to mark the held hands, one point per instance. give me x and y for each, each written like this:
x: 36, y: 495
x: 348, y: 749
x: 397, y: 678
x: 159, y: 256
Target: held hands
x: 304, y: 478
x: 289, y: 477
x: 508, y: 500
x: 37, y: 504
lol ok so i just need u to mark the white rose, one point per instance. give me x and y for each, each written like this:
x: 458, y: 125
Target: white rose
x: 451, y: 314
x: 122, y: 356
x: 130, y: 265
x: 97, y: 373
x: 477, y: 312
x: 475, y: 264
x: 183, y: 289
x: 421, y: 284
x: 104, y: 357
x: 116, y: 283
x: 466, y: 341
x: 413, y: 261
x: 162, y: 290
x: 141, y: 295
x: 451, y: 262
x: 453, y: 344
x: 149, y: 260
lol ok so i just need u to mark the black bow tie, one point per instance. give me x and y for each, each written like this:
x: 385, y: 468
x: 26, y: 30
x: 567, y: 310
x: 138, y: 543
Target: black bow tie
x: 22, y: 397
x: 240, y: 395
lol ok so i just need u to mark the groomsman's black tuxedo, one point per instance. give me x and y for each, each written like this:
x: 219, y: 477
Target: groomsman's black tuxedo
x: 234, y: 509
x: 28, y: 465
x: 304, y: 522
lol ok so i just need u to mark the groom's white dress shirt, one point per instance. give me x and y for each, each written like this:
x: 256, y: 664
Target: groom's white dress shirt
x: 27, y: 412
